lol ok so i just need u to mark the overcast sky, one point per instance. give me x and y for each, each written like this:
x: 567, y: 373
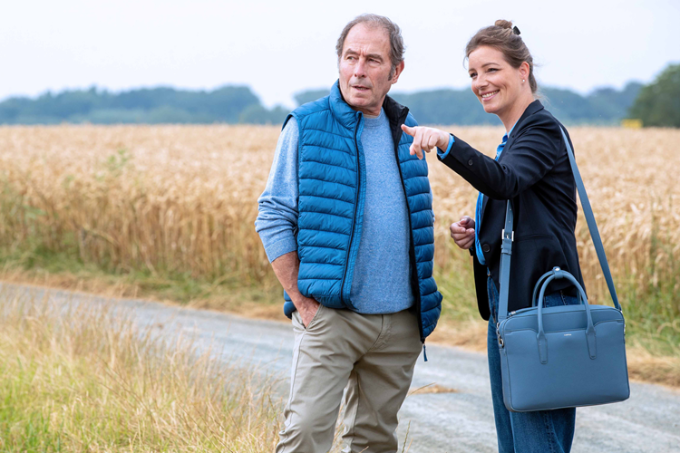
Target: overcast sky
x: 279, y: 48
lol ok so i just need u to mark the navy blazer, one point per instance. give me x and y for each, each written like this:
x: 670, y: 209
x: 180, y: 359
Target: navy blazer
x: 533, y: 172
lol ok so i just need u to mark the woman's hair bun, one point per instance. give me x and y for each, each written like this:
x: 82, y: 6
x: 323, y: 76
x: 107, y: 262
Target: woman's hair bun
x: 503, y: 24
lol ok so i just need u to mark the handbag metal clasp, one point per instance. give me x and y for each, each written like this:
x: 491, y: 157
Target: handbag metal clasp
x: 498, y: 334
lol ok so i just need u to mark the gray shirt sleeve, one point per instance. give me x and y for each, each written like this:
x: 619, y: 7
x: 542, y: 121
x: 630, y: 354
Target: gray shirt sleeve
x: 278, y: 205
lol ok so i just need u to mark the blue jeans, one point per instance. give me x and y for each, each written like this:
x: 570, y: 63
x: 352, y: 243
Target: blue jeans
x: 526, y: 432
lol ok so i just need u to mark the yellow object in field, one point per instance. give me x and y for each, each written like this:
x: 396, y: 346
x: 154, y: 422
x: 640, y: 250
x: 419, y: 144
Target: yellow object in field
x: 631, y: 124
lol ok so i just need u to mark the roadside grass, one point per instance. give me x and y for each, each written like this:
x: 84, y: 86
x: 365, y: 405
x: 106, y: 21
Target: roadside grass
x: 82, y: 378
x: 63, y: 270
x: 653, y: 342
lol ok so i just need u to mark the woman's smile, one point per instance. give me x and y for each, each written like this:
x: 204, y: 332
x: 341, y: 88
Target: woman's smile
x: 487, y: 96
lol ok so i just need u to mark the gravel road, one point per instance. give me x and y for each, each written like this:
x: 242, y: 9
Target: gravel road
x: 461, y: 421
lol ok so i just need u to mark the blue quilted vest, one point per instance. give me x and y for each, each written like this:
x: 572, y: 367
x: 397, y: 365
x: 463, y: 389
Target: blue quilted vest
x: 332, y: 181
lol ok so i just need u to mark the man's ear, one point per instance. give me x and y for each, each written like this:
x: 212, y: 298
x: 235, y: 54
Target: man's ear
x: 397, y: 72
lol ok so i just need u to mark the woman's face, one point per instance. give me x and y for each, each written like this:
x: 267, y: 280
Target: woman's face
x: 496, y: 84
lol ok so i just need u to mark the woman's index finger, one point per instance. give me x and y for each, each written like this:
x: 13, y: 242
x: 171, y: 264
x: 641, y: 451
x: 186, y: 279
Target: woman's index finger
x: 409, y: 130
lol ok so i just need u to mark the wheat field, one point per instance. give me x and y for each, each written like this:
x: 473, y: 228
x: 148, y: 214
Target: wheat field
x: 183, y: 199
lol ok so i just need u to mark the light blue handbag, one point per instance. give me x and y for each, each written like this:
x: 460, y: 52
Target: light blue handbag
x: 566, y: 356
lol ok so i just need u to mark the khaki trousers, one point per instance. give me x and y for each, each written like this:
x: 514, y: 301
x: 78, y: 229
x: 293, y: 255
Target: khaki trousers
x: 373, y: 356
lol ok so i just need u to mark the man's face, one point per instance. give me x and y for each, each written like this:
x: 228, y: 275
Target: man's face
x: 365, y: 68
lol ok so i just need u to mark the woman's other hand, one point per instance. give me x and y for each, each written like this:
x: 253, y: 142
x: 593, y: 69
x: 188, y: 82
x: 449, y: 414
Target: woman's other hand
x: 463, y: 232
x: 426, y: 138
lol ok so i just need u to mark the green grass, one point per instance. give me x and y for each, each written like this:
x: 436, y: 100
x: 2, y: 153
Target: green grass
x: 652, y: 318
x: 40, y: 264
x: 83, y: 380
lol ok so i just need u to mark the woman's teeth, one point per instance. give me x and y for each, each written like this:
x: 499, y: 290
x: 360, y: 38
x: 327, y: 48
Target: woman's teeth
x: 484, y: 96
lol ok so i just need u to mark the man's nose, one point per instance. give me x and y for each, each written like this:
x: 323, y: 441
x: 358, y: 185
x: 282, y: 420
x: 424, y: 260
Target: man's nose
x: 360, y: 68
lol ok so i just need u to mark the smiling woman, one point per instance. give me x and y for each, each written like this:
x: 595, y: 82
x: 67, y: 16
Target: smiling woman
x: 531, y: 171
x: 500, y: 65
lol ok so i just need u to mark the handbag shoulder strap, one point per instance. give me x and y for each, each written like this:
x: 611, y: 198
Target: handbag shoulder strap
x: 592, y: 225
x: 508, y: 236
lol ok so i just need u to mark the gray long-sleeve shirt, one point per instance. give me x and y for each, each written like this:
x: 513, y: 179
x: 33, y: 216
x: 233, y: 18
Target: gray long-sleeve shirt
x: 381, y: 281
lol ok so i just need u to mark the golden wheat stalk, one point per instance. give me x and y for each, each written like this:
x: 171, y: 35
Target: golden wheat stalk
x: 183, y: 198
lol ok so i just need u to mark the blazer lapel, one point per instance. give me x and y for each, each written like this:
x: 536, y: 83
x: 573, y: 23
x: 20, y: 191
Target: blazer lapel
x: 508, y: 144
x: 530, y: 110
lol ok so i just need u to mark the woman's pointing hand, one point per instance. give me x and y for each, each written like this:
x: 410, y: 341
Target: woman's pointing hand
x: 426, y: 138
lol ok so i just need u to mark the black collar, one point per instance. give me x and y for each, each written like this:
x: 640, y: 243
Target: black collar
x: 397, y: 114
x: 395, y: 111
x: 532, y: 108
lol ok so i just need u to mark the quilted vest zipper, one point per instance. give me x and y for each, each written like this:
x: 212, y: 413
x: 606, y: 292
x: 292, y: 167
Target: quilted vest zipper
x: 415, y: 287
x: 354, y: 219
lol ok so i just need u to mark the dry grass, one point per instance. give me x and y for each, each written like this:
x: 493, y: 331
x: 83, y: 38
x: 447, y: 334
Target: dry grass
x: 245, y: 301
x: 179, y: 202
x: 645, y: 367
x: 431, y: 389
x: 81, y: 378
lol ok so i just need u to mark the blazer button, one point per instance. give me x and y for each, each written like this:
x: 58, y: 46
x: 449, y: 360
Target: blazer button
x: 486, y: 248
x: 470, y: 162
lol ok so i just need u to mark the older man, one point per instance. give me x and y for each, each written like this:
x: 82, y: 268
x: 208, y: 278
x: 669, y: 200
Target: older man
x: 346, y: 220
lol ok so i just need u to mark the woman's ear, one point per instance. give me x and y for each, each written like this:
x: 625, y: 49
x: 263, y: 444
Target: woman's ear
x: 524, y: 71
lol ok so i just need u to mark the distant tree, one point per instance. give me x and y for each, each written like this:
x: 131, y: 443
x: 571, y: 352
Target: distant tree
x: 306, y: 96
x: 658, y: 104
x: 224, y: 104
x: 568, y: 106
x: 446, y: 106
x: 256, y: 114
x: 146, y: 105
x: 609, y: 102
x: 49, y: 108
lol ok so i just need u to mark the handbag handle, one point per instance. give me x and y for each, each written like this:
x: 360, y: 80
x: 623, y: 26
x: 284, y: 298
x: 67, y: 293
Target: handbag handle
x: 508, y: 237
x: 555, y: 274
x: 538, y: 287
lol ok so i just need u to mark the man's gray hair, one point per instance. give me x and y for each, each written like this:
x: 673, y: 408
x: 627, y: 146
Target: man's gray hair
x: 392, y: 29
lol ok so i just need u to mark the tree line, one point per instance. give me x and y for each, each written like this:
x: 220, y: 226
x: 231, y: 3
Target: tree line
x: 228, y: 104
x: 657, y: 104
